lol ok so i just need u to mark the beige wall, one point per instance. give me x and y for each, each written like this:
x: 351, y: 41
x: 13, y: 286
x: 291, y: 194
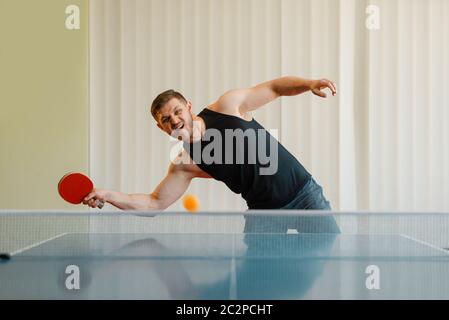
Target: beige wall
x: 43, y: 101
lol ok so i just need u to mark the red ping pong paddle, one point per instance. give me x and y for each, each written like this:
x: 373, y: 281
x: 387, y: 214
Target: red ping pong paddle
x: 74, y: 187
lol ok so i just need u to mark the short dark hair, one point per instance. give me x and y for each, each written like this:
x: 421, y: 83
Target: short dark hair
x: 163, y: 98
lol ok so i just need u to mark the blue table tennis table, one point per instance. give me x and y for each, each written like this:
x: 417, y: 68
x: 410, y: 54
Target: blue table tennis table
x: 226, y: 266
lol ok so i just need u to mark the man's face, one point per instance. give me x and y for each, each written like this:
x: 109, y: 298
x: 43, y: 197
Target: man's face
x: 175, y: 118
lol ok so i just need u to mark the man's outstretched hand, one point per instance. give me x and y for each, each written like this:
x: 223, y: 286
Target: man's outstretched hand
x: 318, y: 85
x: 96, y: 197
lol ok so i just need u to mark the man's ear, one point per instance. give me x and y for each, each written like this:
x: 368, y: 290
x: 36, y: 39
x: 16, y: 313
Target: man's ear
x: 189, y: 105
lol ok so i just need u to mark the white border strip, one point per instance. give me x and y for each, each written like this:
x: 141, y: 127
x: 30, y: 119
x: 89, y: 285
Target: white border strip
x: 425, y: 243
x: 37, y: 244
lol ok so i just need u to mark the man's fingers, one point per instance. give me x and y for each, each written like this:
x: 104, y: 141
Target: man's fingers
x: 320, y: 93
x: 89, y: 196
x: 329, y: 84
x: 94, y: 200
x: 92, y: 203
x: 335, y: 87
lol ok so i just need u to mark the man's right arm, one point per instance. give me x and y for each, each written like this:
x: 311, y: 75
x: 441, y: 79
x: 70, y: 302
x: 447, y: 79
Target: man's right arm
x: 171, y: 188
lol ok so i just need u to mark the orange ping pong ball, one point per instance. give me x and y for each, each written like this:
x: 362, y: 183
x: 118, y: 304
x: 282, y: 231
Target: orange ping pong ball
x: 191, y: 203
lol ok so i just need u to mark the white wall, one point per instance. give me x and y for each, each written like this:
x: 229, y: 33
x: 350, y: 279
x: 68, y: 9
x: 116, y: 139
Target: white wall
x: 382, y: 144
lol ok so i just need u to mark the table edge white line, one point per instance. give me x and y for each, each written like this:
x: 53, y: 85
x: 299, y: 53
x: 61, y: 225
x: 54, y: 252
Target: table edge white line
x: 425, y: 243
x: 37, y: 244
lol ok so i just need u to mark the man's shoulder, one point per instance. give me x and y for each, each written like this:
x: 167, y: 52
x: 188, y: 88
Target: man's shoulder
x: 226, y: 110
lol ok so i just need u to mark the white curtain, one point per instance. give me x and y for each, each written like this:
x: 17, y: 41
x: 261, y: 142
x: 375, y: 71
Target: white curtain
x: 382, y: 144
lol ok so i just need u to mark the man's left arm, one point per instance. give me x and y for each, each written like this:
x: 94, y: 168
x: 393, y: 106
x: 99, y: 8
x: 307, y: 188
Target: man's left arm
x: 252, y: 98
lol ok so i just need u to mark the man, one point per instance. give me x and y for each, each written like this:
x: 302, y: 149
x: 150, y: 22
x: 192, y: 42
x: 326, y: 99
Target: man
x: 279, y: 183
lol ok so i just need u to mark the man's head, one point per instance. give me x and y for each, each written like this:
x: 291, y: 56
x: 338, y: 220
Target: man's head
x: 173, y: 114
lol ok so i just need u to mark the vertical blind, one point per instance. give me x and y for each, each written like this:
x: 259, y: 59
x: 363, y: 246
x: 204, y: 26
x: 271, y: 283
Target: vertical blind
x: 382, y: 144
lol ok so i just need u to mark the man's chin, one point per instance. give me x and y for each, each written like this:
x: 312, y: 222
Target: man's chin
x: 181, y: 134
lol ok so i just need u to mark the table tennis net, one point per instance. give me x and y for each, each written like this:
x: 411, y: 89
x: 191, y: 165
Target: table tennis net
x: 19, y: 230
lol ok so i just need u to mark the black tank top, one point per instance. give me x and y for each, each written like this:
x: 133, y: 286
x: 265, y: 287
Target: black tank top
x: 258, y: 167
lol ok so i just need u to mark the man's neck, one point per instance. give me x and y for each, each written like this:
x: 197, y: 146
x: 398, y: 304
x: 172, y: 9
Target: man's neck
x: 198, y: 130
